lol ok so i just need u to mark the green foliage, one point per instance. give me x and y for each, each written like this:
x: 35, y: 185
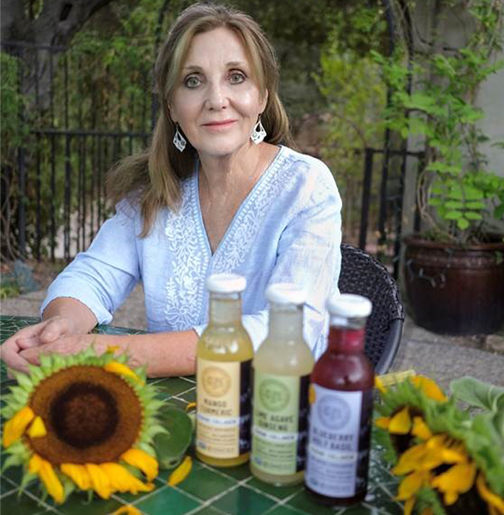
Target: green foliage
x: 356, y: 96
x: 9, y: 288
x: 457, y: 195
x: 171, y: 446
x: 12, y: 103
x: 478, y: 393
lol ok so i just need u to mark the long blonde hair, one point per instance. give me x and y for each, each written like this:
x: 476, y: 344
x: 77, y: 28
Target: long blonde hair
x: 153, y: 177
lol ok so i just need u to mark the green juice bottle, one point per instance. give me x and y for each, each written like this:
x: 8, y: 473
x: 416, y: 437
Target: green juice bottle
x: 223, y: 383
x: 281, y: 371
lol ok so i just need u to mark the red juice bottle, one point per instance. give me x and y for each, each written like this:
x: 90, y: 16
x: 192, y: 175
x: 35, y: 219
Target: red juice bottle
x: 341, y: 398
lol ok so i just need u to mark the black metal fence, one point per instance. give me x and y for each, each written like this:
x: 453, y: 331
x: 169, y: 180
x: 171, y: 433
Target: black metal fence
x: 53, y: 168
x: 390, y: 199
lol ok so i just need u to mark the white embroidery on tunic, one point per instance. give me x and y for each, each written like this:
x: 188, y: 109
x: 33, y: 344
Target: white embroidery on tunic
x: 231, y: 254
x: 185, y: 288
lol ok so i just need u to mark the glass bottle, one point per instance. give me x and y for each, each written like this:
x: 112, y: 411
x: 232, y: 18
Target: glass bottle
x: 341, y: 399
x: 223, y: 384
x: 281, y: 371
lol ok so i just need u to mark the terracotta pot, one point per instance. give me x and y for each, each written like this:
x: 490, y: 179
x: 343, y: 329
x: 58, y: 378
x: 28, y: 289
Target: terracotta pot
x: 453, y: 290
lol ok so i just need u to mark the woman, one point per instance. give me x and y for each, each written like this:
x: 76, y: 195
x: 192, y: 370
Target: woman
x: 214, y: 193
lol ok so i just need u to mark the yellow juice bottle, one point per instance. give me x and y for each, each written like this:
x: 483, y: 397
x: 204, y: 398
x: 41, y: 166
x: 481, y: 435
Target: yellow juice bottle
x: 223, y: 383
x: 281, y: 370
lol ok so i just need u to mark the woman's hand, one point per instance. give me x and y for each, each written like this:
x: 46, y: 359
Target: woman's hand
x: 65, y: 345
x: 32, y: 337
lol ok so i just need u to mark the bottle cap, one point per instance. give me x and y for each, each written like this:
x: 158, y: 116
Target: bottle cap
x: 226, y: 283
x: 348, y: 305
x: 285, y: 293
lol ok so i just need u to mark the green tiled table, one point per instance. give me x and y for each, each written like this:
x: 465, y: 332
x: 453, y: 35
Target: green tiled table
x: 207, y: 490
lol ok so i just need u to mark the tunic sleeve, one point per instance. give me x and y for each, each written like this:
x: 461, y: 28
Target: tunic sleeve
x: 309, y: 255
x: 104, y: 275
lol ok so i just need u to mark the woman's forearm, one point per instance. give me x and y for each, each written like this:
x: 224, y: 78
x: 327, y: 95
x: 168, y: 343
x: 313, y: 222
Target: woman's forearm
x: 164, y: 354
x: 80, y: 316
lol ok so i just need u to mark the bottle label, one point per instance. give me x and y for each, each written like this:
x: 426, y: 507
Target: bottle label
x: 338, y: 448
x: 223, y: 408
x: 279, y: 423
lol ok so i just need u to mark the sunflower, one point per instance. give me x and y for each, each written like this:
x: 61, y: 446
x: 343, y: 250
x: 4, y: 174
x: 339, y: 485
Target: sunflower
x: 83, y: 422
x: 450, y: 462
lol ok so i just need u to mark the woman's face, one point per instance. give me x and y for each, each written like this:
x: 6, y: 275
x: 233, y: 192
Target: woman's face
x: 217, y: 102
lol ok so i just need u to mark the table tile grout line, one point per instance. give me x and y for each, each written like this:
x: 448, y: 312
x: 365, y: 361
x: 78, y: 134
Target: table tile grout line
x: 209, y: 502
x: 374, y: 509
x: 41, y: 502
x: 284, y: 502
x: 392, y: 497
x: 266, y: 494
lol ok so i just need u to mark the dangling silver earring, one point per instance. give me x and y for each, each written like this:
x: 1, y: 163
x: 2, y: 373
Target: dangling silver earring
x: 258, y: 132
x: 178, y: 140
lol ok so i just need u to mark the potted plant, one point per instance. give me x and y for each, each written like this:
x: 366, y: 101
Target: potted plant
x: 454, y: 267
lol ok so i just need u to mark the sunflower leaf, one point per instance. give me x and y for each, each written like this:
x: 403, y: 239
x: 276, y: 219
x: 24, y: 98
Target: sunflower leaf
x: 59, y: 362
x: 36, y: 373
x: 12, y: 461
x: 478, y: 393
x: 24, y: 381
x: 45, y: 361
x: 172, y: 444
x: 7, y: 411
x: 149, y: 449
x: 20, y: 394
x: 26, y: 480
x: 154, y: 430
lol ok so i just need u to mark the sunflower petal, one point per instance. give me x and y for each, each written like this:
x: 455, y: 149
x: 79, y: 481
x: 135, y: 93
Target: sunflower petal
x: 127, y: 510
x: 400, y: 423
x: 78, y: 474
x: 454, y: 454
x: 379, y: 384
x: 411, y: 484
x: 492, y: 499
x: 191, y: 405
x: 181, y: 472
x: 408, y: 506
x: 37, y: 428
x: 429, y: 387
x: 143, y: 461
x: 34, y: 464
x: 410, y: 460
x: 45, y: 471
x: 51, y: 482
x: 383, y: 422
x: 17, y: 425
x: 420, y: 429
x: 121, y: 369
x: 99, y: 480
x: 458, y: 479
x: 123, y: 481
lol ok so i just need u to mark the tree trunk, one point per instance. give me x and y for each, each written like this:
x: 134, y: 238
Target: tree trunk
x: 56, y: 24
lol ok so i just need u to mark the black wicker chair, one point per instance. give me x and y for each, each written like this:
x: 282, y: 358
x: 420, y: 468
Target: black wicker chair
x: 364, y: 275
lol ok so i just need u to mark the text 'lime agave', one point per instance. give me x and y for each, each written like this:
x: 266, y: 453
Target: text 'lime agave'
x: 83, y: 422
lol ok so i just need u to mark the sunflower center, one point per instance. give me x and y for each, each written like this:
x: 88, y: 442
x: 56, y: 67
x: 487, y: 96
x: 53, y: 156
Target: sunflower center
x: 91, y: 416
x: 84, y: 415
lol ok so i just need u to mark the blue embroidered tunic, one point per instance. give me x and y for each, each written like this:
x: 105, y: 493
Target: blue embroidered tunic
x: 288, y: 229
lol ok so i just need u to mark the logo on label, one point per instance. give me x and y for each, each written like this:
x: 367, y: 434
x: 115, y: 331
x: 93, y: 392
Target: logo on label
x: 216, y: 382
x: 334, y: 412
x: 274, y: 395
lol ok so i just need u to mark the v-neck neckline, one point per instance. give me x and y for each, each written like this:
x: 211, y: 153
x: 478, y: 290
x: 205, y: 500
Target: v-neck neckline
x: 246, y: 200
